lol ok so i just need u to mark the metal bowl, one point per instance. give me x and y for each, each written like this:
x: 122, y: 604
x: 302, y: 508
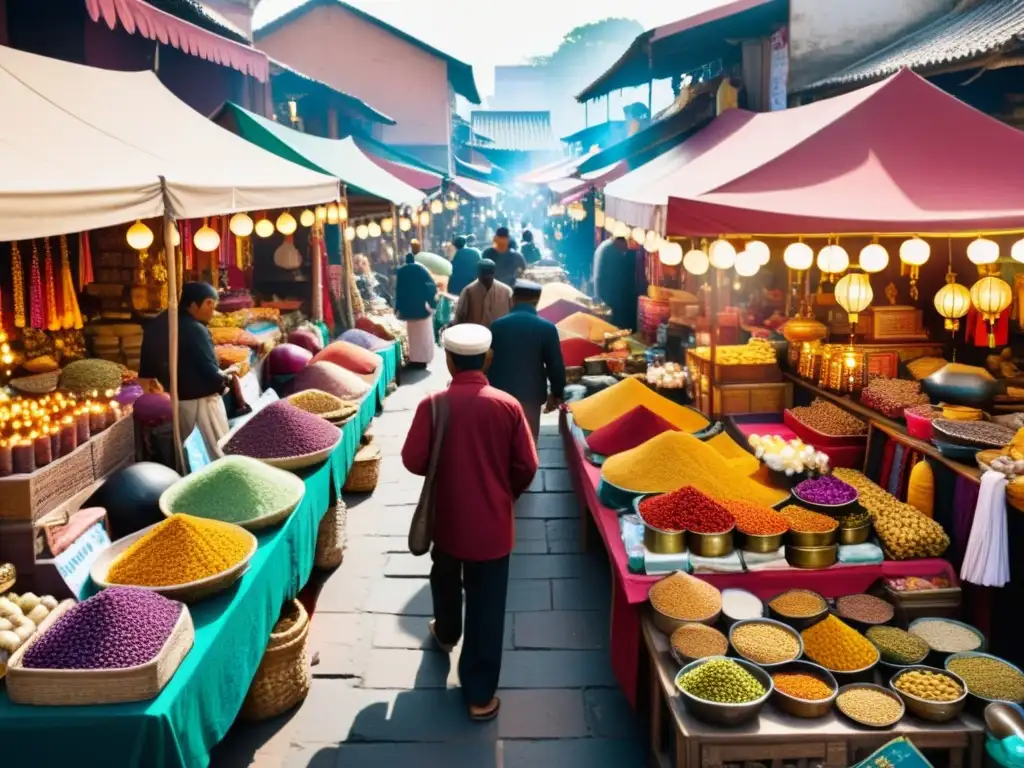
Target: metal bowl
x: 804, y: 707
x: 852, y: 676
x: 656, y: 540
x: 934, y: 711
x: 682, y: 659
x: 812, y: 557
x: 938, y: 657
x: 886, y: 691
x: 809, y: 539
x: 669, y: 624
x: 975, y: 697
x: 798, y: 622
x: 725, y: 714
x: 973, y: 388
x: 833, y: 510
x: 728, y: 620
x: 857, y: 535
x: 710, y: 544
x: 761, y: 544
x: 781, y: 625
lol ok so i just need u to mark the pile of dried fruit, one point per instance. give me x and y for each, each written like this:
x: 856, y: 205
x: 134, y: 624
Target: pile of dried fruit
x: 721, y: 680
x: 686, y: 510
x: 891, y: 396
x: 117, y: 628
x: 829, y: 419
x: 20, y: 616
x: 281, y: 431
x: 685, y: 598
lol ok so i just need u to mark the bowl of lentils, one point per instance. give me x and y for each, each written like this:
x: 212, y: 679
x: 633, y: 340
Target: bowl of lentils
x: 798, y: 608
x: 946, y: 636
x: 897, y: 648
x: 766, y: 642
x: 988, y: 678
x: 724, y: 691
x: 864, y: 611
x: 827, y: 494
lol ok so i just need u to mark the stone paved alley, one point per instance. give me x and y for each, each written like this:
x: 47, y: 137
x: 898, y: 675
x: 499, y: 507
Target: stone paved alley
x: 382, y: 696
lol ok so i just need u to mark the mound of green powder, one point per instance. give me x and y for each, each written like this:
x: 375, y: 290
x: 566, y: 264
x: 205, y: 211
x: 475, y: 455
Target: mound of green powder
x: 235, y: 489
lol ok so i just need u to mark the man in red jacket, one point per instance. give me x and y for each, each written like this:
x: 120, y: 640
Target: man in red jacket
x: 487, y: 461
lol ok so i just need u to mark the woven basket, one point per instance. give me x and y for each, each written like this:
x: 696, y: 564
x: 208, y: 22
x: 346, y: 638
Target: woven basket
x: 283, y: 677
x: 330, y: 538
x: 37, y: 383
x: 365, y: 472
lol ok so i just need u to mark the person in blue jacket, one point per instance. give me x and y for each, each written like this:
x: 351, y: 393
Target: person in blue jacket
x: 415, y: 300
x: 463, y: 265
x: 527, y: 356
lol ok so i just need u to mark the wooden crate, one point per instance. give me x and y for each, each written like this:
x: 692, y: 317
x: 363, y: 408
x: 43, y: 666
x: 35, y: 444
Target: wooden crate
x: 753, y: 373
x: 114, y: 448
x: 736, y: 399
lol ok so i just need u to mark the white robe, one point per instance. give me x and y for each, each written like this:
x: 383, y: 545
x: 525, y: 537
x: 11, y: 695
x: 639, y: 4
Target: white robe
x: 421, y: 340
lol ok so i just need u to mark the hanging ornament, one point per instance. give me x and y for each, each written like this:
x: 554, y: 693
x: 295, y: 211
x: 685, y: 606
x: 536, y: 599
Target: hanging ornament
x: 139, y: 236
x: 424, y: 218
x: 833, y: 260
x: 991, y: 296
x: 404, y: 224
x: 436, y: 206
x: 652, y: 241
x: 72, y: 315
x: 952, y: 301
x: 350, y: 233
x: 722, y: 254
x: 332, y: 214
x: 1017, y: 251
x: 671, y: 254
x: 286, y: 224
x: 983, y: 251
x: 321, y: 213
x: 696, y: 262
x: 761, y: 252
x: 206, y: 238
x: 914, y: 254
x: 36, y: 317
x: 387, y: 225
x: 798, y: 256
x: 873, y: 258
x: 18, y: 283
x: 362, y: 231
x: 747, y: 263
x: 52, y: 320
x: 374, y: 229
x: 241, y: 225
x: 342, y: 211
x: 307, y: 218
x: 598, y: 218
x: 638, y: 235
x: 854, y: 294
x: 85, y: 275
x: 265, y: 227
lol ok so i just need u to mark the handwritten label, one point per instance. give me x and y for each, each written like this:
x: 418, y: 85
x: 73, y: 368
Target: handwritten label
x: 75, y: 562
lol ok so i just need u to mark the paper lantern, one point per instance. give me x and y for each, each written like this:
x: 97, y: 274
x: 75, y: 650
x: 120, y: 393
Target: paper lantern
x: 286, y: 224
x: 915, y: 252
x: 206, y: 239
x: 307, y: 218
x: 436, y: 207
x: 1017, y: 251
x: 671, y: 254
x: 952, y: 301
x: 350, y: 233
x: 854, y: 294
x: 241, y: 225
x: 374, y: 229
x: 761, y: 252
x: 387, y: 225
x: 652, y: 241
x: 321, y: 213
x: 638, y: 235
x: 362, y: 231
x: 264, y: 227
x: 983, y: 251
x: 798, y: 256
x: 452, y: 204
x: 175, y: 236
x: 424, y: 218
x: 332, y: 213
x: 833, y: 260
x: 598, y: 218
x: 621, y: 230
x: 139, y: 236
x: 696, y: 262
x: 404, y: 224
x: 991, y: 296
x: 342, y: 212
x: 721, y: 254
x: 747, y: 263
x: 609, y: 224
x: 874, y: 258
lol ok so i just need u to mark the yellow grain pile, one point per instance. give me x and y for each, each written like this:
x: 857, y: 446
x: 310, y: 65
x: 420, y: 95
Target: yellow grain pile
x: 587, y: 326
x: 609, y: 404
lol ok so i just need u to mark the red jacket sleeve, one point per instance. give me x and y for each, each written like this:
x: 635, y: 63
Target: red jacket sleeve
x: 416, y: 451
x: 524, y: 455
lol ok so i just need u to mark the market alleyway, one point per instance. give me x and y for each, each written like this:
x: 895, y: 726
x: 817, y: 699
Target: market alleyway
x: 382, y: 696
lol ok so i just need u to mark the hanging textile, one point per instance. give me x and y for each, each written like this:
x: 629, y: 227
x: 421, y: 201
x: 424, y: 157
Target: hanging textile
x: 987, y: 559
x: 71, y: 314
x: 52, y: 318
x: 37, y: 315
x: 977, y: 328
x: 18, y: 283
x: 85, y: 275
x: 187, y: 246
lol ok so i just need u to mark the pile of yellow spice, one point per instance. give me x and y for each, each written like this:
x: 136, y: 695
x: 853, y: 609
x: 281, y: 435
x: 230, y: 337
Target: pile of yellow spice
x: 180, y: 550
x: 837, y: 646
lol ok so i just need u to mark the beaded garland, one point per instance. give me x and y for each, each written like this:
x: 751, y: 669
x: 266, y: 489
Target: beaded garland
x: 18, y: 280
x: 52, y: 321
x: 36, y: 291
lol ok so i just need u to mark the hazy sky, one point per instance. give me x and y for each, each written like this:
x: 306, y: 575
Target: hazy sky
x: 489, y: 32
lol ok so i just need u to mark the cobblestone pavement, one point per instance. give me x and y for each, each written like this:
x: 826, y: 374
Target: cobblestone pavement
x: 382, y: 696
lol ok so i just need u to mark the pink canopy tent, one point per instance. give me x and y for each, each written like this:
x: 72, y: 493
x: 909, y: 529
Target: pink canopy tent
x: 478, y: 190
x: 899, y: 156
x: 414, y: 177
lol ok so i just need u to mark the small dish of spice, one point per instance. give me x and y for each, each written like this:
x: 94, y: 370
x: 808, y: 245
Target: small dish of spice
x: 865, y: 609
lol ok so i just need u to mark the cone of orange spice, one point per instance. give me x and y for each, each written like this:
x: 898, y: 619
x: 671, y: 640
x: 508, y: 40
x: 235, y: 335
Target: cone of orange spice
x: 837, y: 646
x: 755, y: 519
x: 804, y: 521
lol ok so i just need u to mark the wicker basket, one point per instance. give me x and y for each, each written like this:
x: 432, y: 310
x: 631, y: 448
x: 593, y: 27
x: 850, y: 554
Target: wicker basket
x: 283, y: 677
x: 330, y: 538
x: 365, y: 471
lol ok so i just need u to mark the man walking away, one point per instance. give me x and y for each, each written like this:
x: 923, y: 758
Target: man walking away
x: 463, y: 266
x: 528, y: 356
x: 487, y: 461
x: 415, y: 299
x: 615, y: 280
x: 485, y: 299
x: 509, y: 262
x: 530, y: 251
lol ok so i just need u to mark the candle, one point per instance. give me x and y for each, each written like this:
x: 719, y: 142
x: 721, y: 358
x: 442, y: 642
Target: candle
x: 97, y: 419
x: 6, y: 467
x: 68, y: 435
x: 23, y: 457
x: 82, y: 424
x: 41, y: 449
x: 54, y: 432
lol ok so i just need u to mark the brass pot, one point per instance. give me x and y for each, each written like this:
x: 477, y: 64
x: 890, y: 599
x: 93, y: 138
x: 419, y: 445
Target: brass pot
x: 801, y: 329
x: 662, y: 542
x: 856, y: 535
x: 805, y: 707
x: 761, y: 544
x: 710, y: 544
x: 812, y: 557
x: 808, y: 539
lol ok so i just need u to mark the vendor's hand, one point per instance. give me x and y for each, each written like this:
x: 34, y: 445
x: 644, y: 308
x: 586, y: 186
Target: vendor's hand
x: 232, y: 370
x: 552, y: 404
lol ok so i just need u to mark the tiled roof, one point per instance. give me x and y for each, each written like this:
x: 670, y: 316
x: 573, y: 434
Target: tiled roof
x: 959, y: 36
x: 517, y: 131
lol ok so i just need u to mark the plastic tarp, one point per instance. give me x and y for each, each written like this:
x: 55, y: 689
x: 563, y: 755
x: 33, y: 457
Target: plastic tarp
x: 338, y: 157
x: 84, y: 148
x: 899, y: 156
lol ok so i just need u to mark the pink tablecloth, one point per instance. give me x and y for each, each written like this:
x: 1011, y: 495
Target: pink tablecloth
x: 629, y: 591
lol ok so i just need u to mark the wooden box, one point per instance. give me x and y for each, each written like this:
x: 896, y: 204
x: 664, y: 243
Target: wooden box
x: 734, y: 399
x: 751, y: 373
x: 114, y: 448
x: 896, y: 324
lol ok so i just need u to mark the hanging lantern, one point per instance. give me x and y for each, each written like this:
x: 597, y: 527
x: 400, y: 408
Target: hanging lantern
x: 952, y: 302
x: 140, y: 237
x: 598, y: 217
x: 332, y: 214
x: 621, y: 230
x: 761, y: 252
x: 747, y: 263
x: 307, y: 218
x: 362, y: 231
x: 1017, y: 251
x: 374, y: 229
x: 983, y: 251
x: 241, y: 225
x: 342, y: 212
x: 671, y: 254
x: 321, y: 213
x: 286, y: 224
x: 874, y: 258
x: 610, y: 224
x: 638, y: 235
x: 854, y: 294
x: 350, y: 233
x: 915, y: 252
x: 436, y: 206
x: 175, y: 236
x: 652, y: 241
x: 206, y: 238
x: 991, y: 296
x: 424, y: 218
x: 696, y: 262
x: 387, y: 225
x: 452, y: 204
x: 798, y: 256
x: 721, y: 254
x: 264, y: 227
x: 404, y: 224
x: 833, y: 260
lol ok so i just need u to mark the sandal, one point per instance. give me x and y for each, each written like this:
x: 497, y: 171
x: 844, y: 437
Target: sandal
x: 445, y: 647
x: 484, y: 715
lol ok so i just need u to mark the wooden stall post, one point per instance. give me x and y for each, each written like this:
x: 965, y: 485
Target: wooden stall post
x: 172, y: 329
x: 316, y: 240
x: 346, y: 270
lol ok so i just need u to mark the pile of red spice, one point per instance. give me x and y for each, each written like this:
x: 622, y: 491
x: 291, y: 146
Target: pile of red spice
x: 686, y: 510
x: 630, y: 430
x: 577, y: 349
x: 756, y: 519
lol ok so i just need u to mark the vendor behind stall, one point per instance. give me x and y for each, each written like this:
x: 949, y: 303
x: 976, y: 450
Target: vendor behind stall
x: 201, y: 382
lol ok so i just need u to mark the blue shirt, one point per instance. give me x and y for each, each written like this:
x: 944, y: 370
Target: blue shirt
x: 463, y: 269
x: 199, y: 374
x: 527, y: 356
x: 415, y: 292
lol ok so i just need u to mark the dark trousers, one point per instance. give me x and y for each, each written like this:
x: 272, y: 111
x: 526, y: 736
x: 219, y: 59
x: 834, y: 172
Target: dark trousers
x: 486, y: 585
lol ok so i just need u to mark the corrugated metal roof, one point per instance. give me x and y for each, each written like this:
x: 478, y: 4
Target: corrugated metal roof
x: 516, y: 131
x: 959, y: 36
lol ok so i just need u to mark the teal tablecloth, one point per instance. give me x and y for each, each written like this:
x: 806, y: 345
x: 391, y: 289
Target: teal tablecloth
x: 193, y: 713
x: 388, y: 371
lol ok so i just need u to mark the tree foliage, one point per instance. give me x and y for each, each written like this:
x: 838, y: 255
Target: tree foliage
x: 588, y: 43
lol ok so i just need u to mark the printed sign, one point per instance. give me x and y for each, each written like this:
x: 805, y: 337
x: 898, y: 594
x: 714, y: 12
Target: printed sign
x: 195, y: 451
x: 75, y: 562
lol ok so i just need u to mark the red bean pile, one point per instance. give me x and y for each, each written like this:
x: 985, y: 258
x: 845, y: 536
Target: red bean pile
x: 686, y: 510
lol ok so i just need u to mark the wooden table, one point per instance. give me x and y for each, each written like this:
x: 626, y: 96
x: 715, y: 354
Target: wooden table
x: 680, y: 741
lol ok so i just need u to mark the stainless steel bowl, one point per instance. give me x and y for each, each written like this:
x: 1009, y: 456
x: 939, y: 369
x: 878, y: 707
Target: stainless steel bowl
x: 798, y: 622
x: 886, y: 691
x: 728, y: 620
x: 934, y: 711
x: 812, y: 557
x: 807, y: 539
x: 784, y: 627
x: 682, y: 659
x: 804, y: 707
x: 857, y: 535
x: 710, y: 544
x: 726, y: 714
x: 940, y: 656
x: 761, y: 544
x: 978, y: 698
x: 669, y: 624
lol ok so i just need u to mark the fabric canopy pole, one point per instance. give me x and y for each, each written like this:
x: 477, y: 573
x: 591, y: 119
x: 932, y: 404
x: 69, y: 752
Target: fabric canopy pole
x: 316, y: 238
x: 172, y: 335
x: 346, y: 269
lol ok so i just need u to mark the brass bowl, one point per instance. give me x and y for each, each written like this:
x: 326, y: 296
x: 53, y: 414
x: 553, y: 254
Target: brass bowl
x: 798, y: 622
x: 809, y: 539
x: 710, y: 544
x: 655, y: 539
x: 781, y: 625
x: 812, y: 557
x: 806, y: 708
x: 863, y: 675
x: 866, y: 724
x: 669, y: 624
x: 857, y: 535
x: 761, y: 544
x: 934, y: 711
x: 726, y: 714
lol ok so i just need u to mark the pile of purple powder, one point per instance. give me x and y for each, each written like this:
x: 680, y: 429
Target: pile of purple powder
x: 119, y: 627
x: 364, y: 339
x: 330, y: 378
x: 281, y: 431
x: 826, y: 489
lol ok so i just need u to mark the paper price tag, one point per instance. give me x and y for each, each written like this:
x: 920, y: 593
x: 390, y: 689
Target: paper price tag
x: 75, y: 562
